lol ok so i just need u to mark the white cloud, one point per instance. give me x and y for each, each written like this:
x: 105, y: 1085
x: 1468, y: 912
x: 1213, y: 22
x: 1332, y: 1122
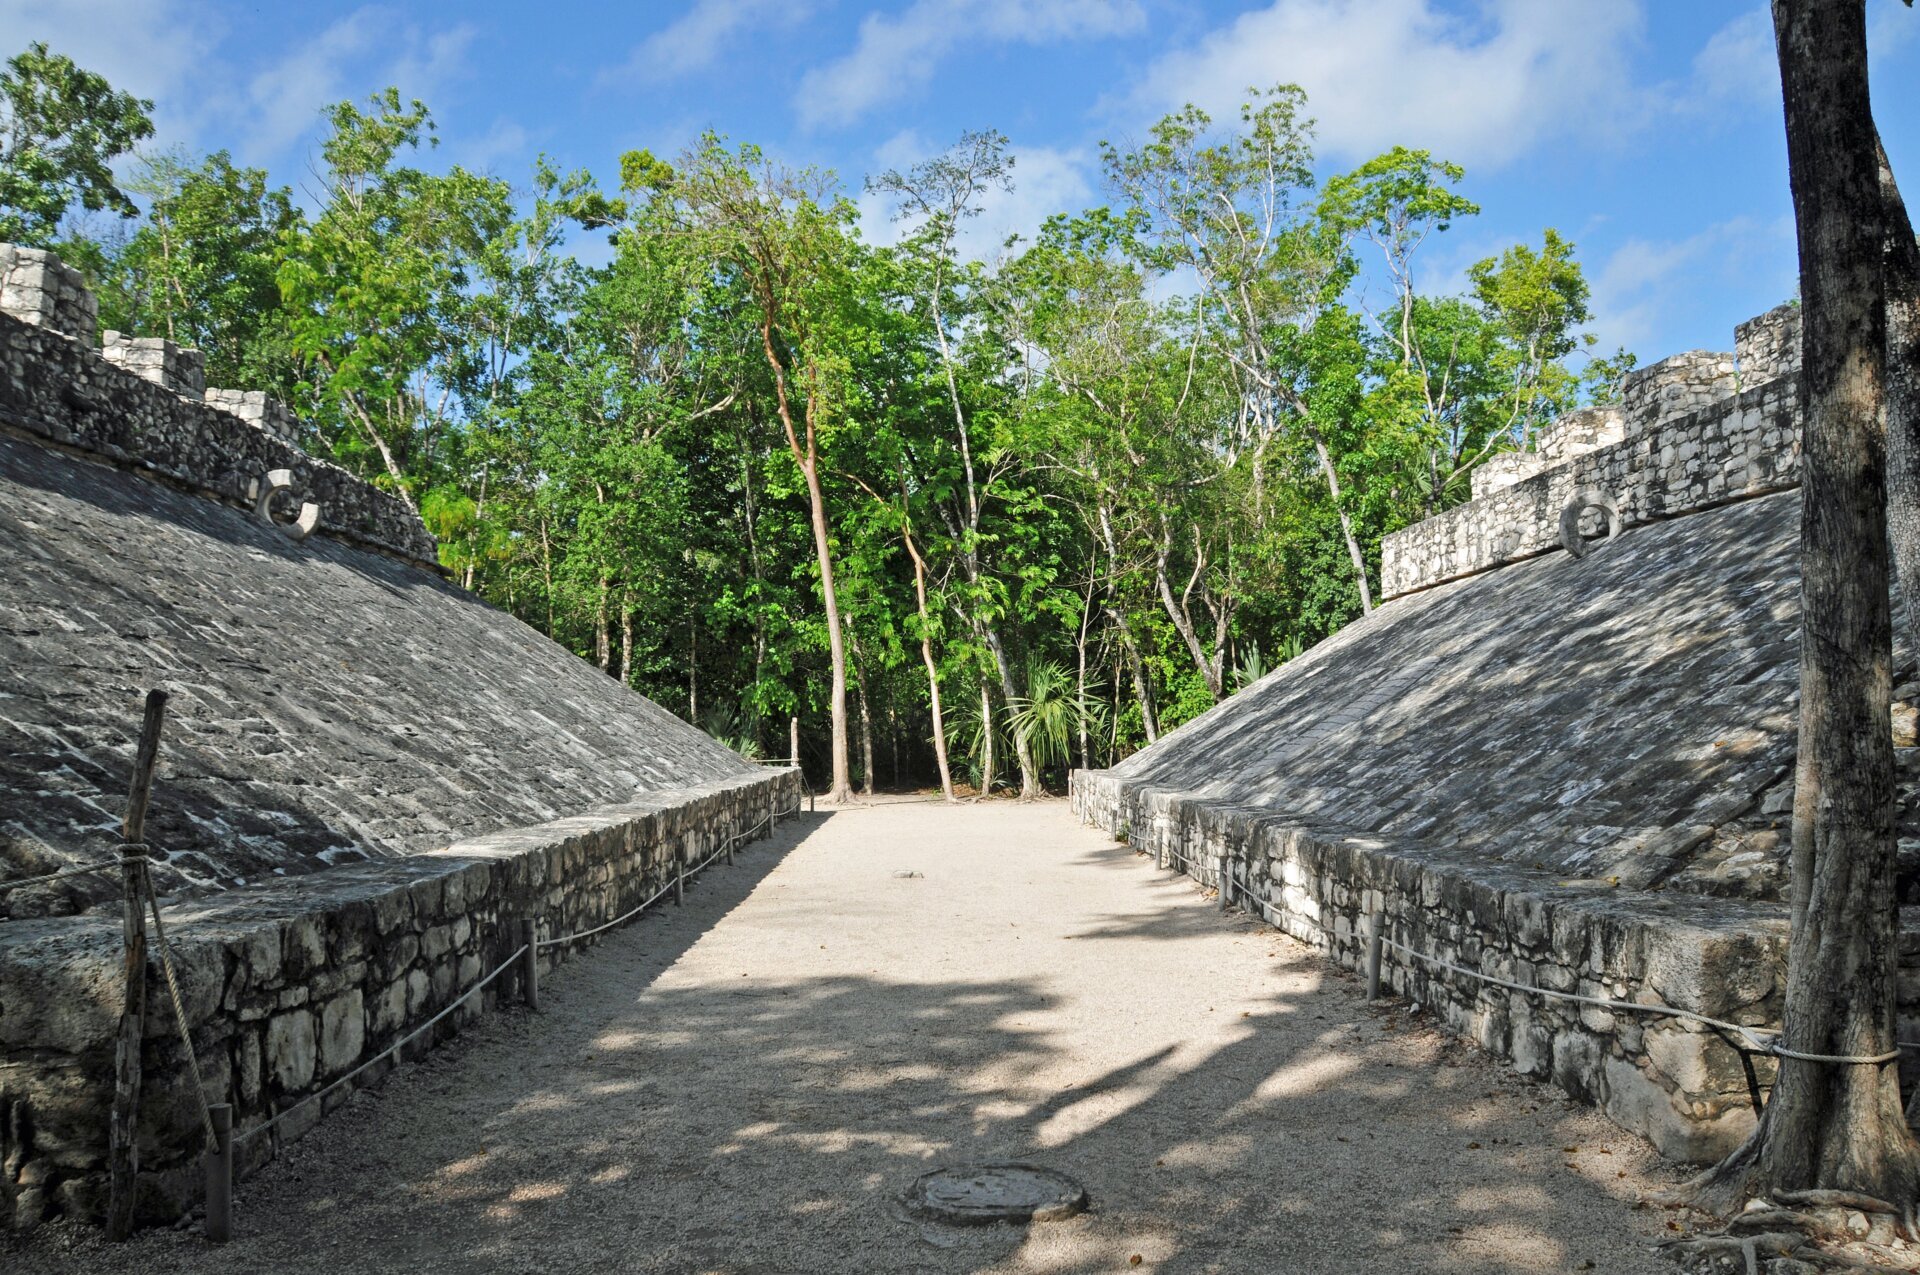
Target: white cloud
x: 149, y: 48
x: 1737, y: 63
x: 365, y: 51
x: 897, y: 54
x: 1045, y: 181
x: 1651, y: 294
x: 1483, y: 88
x: 695, y: 40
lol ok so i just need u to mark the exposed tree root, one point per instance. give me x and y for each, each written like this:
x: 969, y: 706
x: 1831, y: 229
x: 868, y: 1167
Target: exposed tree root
x: 1799, y: 1232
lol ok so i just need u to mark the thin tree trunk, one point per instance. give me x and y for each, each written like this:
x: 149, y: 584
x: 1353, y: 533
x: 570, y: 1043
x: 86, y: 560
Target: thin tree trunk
x: 1837, y: 1125
x: 866, y: 715
x: 986, y: 739
x: 546, y: 567
x: 626, y: 646
x: 1903, y: 397
x: 1354, y: 555
x: 1210, y: 669
x: 693, y: 673
x: 933, y: 670
x: 1080, y: 680
x: 1022, y: 751
x: 807, y: 458
x: 1137, y: 667
x: 602, y: 631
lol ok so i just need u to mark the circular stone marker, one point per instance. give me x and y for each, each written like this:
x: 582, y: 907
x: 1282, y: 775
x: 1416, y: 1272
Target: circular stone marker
x: 977, y: 1194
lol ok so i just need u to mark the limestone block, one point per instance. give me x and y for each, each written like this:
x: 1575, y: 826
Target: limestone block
x: 342, y: 1032
x: 1636, y: 1103
x: 290, y: 1050
x: 151, y: 358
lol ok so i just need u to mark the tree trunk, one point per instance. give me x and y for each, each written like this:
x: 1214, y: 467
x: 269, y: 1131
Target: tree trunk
x: 986, y: 740
x: 1022, y: 751
x: 841, y: 787
x: 1837, y: 1125
x: 602, y: 630
x: 1354, y: 555
x: 1080, y: 679
x: 1210, y: 669
x: 626, y: 646
x: 1142, y: 693
x: 1903, y: 397
x: 866, y: 715
x: 933, y: 670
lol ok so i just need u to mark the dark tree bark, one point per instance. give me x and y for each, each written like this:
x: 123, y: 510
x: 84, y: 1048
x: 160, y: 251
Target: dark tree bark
x: 1903, y: 396
x: 1837, y: 1125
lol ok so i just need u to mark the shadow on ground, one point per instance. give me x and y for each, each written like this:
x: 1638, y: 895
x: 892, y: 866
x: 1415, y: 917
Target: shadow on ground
x: 753, y: 1125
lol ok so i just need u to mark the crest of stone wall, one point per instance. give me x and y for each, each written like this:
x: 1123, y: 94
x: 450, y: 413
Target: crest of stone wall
x: 142, y: 403
x: 1689, y: 433
x: 37, y: 287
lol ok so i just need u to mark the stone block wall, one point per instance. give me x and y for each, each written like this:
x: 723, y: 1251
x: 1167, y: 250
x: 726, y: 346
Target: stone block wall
x: 1674, y: 1082
x: 156, y: 359
x: 291, y: 986
x: 37, y: 287
x: 1767, y: 347
x: 1674, y: 387
x: 139, y: 402
x: 64, y: 392
x: 260, y: 411
x: 1580, y: 431
x: 1743, y: 446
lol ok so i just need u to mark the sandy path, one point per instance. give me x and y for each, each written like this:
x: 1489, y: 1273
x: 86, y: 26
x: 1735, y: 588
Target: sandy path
x: 744, y: 1085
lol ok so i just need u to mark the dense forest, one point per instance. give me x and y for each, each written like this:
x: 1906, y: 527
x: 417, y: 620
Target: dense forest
x: 972, y: 522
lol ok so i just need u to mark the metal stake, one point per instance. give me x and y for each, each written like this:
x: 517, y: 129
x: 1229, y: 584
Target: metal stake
x: 219, y: 1166
x: 1376, y: 925
x: 530, y: 962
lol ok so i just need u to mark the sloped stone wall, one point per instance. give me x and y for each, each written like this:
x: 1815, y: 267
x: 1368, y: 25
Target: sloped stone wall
x: 292, y: 985
x: 1675, y: 1083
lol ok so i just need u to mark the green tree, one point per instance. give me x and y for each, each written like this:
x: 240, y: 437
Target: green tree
x: 202, y: 269
x: 61, y: 128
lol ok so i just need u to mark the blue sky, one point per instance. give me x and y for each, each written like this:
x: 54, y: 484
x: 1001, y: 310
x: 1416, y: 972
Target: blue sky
x: 1646, y: 130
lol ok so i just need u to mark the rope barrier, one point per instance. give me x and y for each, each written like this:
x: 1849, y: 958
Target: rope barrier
x: 179, y: 1007
x: 394, y: 1048
x: 89, y: 870
x: 664, y: 890
x: 502, y: 968
x: 1758, y: 1040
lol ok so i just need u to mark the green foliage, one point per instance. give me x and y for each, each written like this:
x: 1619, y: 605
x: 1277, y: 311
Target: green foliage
x: 61, y: 128
x: 201, y: 269
x: 750, y: 449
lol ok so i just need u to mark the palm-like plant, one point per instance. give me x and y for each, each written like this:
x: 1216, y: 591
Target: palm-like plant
x: 1052, y: 713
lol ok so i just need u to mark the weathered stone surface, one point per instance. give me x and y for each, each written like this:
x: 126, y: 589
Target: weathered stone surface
x: 273, y: 1017
x: 1689, y: 433
x: 342, y: 1032
x: 1554, y: 774
x: 290, y: 1050
x: 430, y: 715
x: 36, y: 287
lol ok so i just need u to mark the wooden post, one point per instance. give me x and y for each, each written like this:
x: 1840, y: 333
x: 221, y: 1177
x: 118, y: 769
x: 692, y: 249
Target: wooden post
x: 530, y: 960
x: 1376, y: 933
x: 123, y: 1152
x: 793, y: 732
x: 219, y: 1163
x: 1225, y: 874
x: 679, y: 882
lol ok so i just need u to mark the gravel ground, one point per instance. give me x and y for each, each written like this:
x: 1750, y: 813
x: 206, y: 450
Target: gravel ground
x: 744, y: 1086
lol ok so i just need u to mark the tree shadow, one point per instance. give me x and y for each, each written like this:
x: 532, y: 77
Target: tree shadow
x: 667, y: 1114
